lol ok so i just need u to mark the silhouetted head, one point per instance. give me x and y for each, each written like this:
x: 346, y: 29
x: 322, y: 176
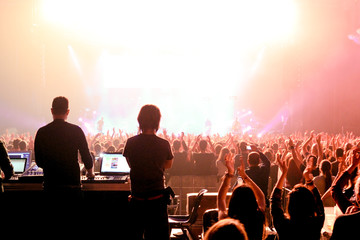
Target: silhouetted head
x: 16, y: 143
x: 269, y: 154
x: 242, y: 146
x: 111, y: 148
x: 97, y: 148
x: 22, y: 145
x: 218, y: 148
x: 242, y: 203
x: 254, y: 158
x: 301, y: 204
x: 339, y: 152
x: 348, y: 146
x: 228, y: 228
x: 149, y: 118
x: 311, y: 160
x: 60, y: 106
x: 325, y: 166
x: 176, y: 145
x: 223, y: 153
x: 203, y: 145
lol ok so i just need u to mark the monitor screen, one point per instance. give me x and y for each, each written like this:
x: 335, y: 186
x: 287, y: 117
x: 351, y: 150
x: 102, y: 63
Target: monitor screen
x: 21, y: 154
x: 19, y: 164
x: 114, y: 163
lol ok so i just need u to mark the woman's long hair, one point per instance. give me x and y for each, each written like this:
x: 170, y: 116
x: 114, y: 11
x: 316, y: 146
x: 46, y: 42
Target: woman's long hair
x: 301, y: 204
x: 325, y: 167
x: 222, y: 154
x: 244, y: 207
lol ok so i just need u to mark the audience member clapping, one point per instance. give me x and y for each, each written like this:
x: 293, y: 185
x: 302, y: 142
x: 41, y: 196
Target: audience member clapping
x: 304, y: 216
x: 247, y: 202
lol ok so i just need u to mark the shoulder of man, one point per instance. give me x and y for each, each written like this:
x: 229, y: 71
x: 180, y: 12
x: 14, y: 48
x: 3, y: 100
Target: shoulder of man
x: 74, y: 127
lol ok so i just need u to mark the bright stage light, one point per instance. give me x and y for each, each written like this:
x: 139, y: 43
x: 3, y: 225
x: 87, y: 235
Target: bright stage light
x: 269, y: 21
x: 163, y: 42
x: 210, y: 49
x: 173, y: 24
x: 180, y: 72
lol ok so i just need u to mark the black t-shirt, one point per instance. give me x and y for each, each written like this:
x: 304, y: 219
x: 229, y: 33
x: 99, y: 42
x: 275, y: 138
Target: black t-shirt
x: 204, y: 164
x: 146, y: 155
x: 181, y: 165
x: 345, y: 226
x: 56, y: 151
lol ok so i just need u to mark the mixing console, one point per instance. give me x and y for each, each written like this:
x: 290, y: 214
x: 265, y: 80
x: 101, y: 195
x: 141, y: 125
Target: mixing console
x: 106, y: 179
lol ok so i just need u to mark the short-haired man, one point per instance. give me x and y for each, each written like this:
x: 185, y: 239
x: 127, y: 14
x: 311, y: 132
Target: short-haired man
x: 56, y: 147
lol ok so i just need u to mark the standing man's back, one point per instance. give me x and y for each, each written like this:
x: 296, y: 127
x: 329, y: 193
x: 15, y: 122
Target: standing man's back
x: 57, y: 146
x: 259, y: 172
x: 56, y: 151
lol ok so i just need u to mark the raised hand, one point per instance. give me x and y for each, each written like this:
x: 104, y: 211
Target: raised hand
x: 282, y: 163
x: 229, y: 163
x: 241, y: 169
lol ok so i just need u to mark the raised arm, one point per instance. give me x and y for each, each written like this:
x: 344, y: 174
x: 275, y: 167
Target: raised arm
x: 212, y: 148
x: 294, y: 154
x: 307, y: 142
x: 225, y: 185
x: 284, y: 169
x: 320, y: 149
x: 320, y: 211
x: 277, y: 211
x: 337, y: 188
x: 183, y: 143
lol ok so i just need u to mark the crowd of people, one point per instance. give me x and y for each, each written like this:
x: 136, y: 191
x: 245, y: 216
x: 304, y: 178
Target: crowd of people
x: 314, y: 170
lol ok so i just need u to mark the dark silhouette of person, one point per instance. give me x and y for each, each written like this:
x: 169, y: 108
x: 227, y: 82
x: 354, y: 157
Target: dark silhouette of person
x: 6, y: 167
x: 148, y: 156
x: 57, y: 146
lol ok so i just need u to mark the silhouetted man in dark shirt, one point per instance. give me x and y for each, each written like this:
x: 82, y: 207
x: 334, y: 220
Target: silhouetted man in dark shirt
x: 259, y: 172
x: 56, y: 151
x: 204, y: 162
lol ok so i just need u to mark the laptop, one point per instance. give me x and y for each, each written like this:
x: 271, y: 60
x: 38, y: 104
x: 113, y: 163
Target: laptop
x: 19, y: 165
x: 21, y: 154
x: 114, y: 164
x: 113, y: 167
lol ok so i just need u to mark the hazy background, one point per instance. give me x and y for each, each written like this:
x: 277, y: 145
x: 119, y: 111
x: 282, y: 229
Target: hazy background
x: 277, y: 67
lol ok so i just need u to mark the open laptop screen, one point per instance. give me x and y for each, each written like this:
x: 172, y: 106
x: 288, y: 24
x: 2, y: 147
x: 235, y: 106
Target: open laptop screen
x: 19, y: 164
x: 21, y: 154
x: 114, y: 164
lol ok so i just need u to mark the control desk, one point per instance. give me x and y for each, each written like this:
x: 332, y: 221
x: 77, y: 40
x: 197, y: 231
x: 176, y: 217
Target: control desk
x: 87, y: 185
x: 32, y: 178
